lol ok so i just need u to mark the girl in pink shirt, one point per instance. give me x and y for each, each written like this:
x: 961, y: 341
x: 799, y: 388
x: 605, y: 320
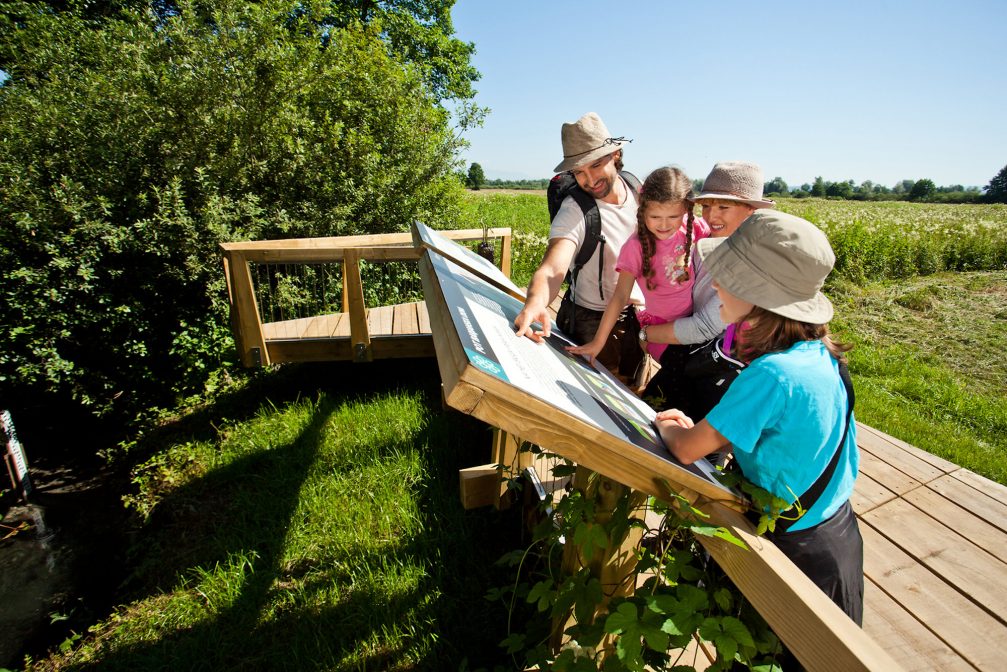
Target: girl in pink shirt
x: 658, y: 257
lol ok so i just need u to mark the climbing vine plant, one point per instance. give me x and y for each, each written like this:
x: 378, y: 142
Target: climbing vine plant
x: 597, y: 588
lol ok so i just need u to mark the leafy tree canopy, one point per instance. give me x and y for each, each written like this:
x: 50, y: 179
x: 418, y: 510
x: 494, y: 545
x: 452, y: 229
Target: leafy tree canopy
x: 133, y: 143
x: 419, y: 32
x: 476, y: 176
x: 922, y: 189
x: 996, y: 190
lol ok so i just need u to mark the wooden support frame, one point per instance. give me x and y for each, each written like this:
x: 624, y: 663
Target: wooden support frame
x: 810, y: 624
x: 256, y: 347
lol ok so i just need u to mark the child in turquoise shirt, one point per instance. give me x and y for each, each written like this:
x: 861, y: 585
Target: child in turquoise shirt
x: 788, y: 416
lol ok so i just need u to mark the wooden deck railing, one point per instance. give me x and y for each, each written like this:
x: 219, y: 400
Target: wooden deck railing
x: 357, y: 332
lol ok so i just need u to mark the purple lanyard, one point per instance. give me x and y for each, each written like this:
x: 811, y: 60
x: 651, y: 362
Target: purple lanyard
x: 728, y: 338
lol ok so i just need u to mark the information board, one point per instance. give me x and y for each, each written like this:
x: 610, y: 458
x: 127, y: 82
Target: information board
x: 424, y: 236
x: 482, y: 318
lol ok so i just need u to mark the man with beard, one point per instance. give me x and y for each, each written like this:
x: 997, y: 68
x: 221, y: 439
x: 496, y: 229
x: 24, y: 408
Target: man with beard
x: 594, y: 158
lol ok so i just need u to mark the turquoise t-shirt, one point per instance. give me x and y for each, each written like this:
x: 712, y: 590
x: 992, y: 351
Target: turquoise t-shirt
x: 785, y: 415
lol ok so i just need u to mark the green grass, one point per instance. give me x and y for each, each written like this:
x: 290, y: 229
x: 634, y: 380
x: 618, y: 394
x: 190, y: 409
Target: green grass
x: 928, y: 363
x: 317, y: 533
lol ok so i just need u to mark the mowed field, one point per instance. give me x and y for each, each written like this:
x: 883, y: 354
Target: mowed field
x: 920, y: 291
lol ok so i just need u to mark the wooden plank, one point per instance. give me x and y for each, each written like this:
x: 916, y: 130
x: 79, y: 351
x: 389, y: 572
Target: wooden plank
x: 505, y: 253
x: 401, y: 347
x: 984, y: 485
x: 980, y: 503
x: 961, y: 624
x: 885, y: 474
x: 404, y: 321
x: 249, y: 336
x: 957, y: 516
x: 328, y: 349
x: 332, y: 249
x: 478, y: 486
x: 319, y: 326
x: 360, y: 338
x: 904, y: 638
x: 908, y: 463
x: 974, y: 572
x: 342, y: 328
x: 938, y: 462
x: 380, y: 320
x: 423, y: 318
x: 868, y: 494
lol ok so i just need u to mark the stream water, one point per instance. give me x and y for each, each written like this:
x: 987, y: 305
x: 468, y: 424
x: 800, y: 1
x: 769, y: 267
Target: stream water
x: 60, y: 569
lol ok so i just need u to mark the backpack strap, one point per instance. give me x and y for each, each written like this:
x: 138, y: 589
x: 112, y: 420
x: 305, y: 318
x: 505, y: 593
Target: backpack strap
x: 593, y: 235
x: 812, y: 495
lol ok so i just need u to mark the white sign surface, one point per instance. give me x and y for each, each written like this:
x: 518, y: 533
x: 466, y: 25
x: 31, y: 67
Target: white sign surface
x: 483, y: 317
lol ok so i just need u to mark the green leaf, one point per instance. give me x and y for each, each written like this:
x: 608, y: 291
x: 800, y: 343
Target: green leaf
x: 542, y: 593
x: 624, y: 619
x: 723, y: 599
x: 514, y: 643
x: 737, y: 630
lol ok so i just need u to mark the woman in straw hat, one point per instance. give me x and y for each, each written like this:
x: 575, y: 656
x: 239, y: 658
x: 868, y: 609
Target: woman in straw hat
x: 788, y: 417
x: 731, y: 192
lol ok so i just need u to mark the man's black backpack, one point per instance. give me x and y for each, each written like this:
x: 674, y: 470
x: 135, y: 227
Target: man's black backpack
x: 561, y: 186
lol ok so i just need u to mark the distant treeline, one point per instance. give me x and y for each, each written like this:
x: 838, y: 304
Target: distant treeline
x: 516, y: 184
x: 907, y: 190
x: 923, y: 190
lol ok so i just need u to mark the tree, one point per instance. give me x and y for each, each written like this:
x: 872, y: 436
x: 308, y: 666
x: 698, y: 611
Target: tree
x: 476, y: 176
x: 776, y: 186
x: 996, y: 190
x: 922, y: 190
x: 839, y: 189
x: 818, y: 188
x: 135, y: 144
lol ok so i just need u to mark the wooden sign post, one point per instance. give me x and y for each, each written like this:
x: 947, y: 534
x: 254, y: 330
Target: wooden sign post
x: 542, y: 393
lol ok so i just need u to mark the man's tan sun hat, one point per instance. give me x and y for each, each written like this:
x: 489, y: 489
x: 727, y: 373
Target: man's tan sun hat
x: 735, y: 181
x: 586, y: 140
x: 775, y: 261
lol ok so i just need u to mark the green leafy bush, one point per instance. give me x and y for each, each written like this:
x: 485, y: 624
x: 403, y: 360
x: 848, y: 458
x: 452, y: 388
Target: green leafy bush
x: 132, y: 146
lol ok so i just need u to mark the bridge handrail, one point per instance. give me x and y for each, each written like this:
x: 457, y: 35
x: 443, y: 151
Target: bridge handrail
x: 246, y: 321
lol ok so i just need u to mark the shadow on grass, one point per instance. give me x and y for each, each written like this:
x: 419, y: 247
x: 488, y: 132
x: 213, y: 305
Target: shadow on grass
x: 244, y: 510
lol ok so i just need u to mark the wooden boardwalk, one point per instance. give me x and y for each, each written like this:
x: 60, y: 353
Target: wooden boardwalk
x: 935, y: 539
x: 400, y: 330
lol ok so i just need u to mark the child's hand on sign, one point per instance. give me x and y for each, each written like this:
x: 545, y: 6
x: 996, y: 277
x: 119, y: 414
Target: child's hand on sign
x: 589, y: 350
x: 674, y: 417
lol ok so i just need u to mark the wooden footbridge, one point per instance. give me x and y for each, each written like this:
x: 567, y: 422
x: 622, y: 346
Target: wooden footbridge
x: 935, y: 534
x: 257, y: 270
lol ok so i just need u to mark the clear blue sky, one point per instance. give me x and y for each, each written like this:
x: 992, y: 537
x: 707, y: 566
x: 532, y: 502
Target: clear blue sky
x: 881, y: 91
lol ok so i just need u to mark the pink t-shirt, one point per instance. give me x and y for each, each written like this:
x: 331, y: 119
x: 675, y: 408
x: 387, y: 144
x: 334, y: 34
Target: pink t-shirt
x: 671, y: 296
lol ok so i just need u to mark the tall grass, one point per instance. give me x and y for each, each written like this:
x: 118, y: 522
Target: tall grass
x: 874, y: 240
